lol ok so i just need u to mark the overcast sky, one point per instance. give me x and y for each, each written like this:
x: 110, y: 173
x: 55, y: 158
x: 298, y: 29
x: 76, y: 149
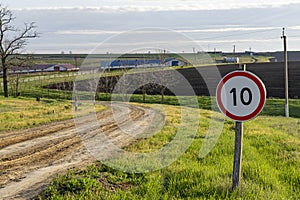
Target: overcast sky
x: 180, y: 25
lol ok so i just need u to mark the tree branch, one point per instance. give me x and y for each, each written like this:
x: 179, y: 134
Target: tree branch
x: 19, y: 42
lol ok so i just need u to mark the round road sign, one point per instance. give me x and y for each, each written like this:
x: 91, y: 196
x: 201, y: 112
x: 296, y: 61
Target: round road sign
x: 241, y: 95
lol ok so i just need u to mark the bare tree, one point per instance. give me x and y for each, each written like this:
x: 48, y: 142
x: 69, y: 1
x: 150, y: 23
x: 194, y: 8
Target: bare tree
x: 12, y: 41
x: 165, y: 79
x: 146, y: 84
x: 23, y: 61
x: 106, y: 84
x: 93, y: 86
x: 122, y: 85
x: 15, y: 83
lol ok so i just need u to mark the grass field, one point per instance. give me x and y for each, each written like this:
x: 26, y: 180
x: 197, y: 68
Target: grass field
x: 20, y: 113
x: 271, y: 163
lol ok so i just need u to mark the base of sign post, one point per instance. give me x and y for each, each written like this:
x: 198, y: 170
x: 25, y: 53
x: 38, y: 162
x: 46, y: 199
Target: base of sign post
x: 287, y: 110
x: 237, y: 162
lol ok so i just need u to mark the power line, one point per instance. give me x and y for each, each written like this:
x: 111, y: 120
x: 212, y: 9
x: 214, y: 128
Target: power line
x: 294, y: 36
x: 238, y: 34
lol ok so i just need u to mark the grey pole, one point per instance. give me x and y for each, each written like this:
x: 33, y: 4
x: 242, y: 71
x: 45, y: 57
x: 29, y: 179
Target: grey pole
x: 286, y: 74
x: 238, y: 148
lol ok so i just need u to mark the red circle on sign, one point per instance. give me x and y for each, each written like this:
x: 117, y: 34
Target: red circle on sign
x: 259, y: 84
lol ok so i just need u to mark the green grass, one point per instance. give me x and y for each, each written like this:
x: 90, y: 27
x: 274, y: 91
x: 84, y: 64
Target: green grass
x: 276, y: 107
x: 21, y: 112
x: 273, y: 106
x: 271, y: 161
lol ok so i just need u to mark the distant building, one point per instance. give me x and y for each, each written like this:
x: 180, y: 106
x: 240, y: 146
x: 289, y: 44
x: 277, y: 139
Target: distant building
x: 42, y: 68
x: 272, y: 59
x: 231, y: 60
x: 171, y: 62
x: 137, y: 63
x: 250, y: 53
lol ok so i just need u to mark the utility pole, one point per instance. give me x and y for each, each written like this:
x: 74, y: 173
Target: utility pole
x: 233, y: 50
x: 286, y: 74
x: 215, y: 54
x: 194, y: 52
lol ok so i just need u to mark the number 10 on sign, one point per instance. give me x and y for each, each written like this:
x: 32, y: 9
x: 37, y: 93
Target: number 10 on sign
x: 241, y: 95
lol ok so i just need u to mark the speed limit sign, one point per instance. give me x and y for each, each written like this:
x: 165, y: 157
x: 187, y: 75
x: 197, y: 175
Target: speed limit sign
x: 241, y: 95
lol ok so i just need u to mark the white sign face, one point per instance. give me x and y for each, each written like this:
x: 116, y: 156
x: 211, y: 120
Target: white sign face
x: 241, y: 95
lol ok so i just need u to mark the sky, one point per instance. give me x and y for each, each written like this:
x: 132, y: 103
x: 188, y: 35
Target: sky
x: 117, y: 26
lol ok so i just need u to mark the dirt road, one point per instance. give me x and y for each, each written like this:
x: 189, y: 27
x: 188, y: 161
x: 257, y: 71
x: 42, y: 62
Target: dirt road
x: 30, y: 158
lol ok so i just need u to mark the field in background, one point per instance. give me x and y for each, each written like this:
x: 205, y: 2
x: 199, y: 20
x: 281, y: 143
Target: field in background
x: 77, y: 59
x: 34, y: 85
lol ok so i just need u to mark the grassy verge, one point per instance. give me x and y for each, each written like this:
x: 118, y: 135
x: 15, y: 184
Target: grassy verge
x: 271, y: 163
x: 273, y: 107
x: 56, y: 106
x: 19, y: 113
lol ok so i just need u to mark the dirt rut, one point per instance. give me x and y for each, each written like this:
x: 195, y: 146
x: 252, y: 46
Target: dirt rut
x: 30, y: 158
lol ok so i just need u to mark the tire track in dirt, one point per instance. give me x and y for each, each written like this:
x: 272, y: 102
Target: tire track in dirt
x: 14, y: 137
x: 28, y: 159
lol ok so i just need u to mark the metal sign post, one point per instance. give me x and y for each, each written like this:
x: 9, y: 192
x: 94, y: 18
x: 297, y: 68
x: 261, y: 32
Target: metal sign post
x: 240, y: 96
x: 238, y: 149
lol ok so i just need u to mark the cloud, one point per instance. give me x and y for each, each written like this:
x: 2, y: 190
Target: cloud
x: 85, y: 32
x: 228, y: 29
x: 71, y: 27
x: 205, y: 30
x: 294, y: 27
x: 237, y: 41
x: 175, y: 5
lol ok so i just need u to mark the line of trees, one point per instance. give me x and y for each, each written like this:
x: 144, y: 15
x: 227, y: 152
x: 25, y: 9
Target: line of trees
x: 143, y: 82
